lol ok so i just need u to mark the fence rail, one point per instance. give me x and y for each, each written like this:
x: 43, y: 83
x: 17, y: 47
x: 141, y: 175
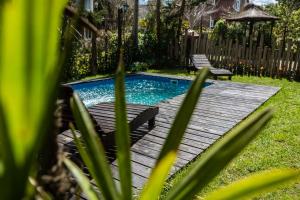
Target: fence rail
x: 246, y: 57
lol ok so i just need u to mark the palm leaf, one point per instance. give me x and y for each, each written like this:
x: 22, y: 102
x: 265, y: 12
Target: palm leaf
x: 28, y: 45
x: 82, y: 180
x: 218, y: 156
x: 122, y: 132
x: 255, y: 184
x: 158, y: 176
x: 165, y: 160
x: 100, y: 171
x: 184, y: 114
x: 39, y: 190
x: 81, y: 149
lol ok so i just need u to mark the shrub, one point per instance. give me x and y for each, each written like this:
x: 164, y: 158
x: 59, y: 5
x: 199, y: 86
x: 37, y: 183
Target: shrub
x: 139, y: 66
x: 147, y: 44
x: 228, y: 30
x: 220, y: 29
x: 81, y: 67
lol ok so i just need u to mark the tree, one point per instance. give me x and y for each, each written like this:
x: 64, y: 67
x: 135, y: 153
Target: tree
x: 158, y: 28
x: 293, y: 4
x: 194, y: 14
x: 287, y: 27
x: 181, y: 14
x: 135, y: 28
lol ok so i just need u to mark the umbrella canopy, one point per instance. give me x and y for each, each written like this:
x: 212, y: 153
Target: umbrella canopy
x: 252, y: 13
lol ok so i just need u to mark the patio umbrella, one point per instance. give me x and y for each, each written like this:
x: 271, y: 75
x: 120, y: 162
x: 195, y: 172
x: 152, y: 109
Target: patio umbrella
x: 252, y: 13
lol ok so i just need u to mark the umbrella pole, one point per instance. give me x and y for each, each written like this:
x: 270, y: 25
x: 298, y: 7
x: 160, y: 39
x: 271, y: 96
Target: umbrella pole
x: 201, y: 25
x: 250, y: 31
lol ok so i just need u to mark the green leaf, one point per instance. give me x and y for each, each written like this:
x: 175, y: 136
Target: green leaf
x: 82, y: 180
x: 155, y: 184
x: 1, y: 168
x: 158, y: 176
x: 39, y: 190
x: 122, y: 132
x: 100, y: 171
x: 5, y: 144
x: 81, y: 149
x: 219, y: 155
x: 31, y: 54
x: 255, y: 184
x: 184, y: 114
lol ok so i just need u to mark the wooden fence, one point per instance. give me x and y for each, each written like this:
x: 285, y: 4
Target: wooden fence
x: 246, y: 57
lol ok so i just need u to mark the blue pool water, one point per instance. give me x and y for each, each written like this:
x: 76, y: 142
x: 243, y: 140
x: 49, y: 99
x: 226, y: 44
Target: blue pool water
x: 140, y: 89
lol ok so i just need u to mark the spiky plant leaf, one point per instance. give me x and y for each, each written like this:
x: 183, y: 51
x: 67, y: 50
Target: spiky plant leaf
x: 219, y: 155
x: 175, y: 135
x: 100, y: 170
x: 122, y: 132
x: 40, y: 193
x: 255, y: 184
x: 82, y: 180
x: 28, y: 78
x: 158, y: 176
x: 184, y: 114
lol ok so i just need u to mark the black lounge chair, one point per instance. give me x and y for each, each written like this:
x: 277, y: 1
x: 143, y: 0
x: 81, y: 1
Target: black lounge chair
x: 200, y: 61
x: 103, y: 116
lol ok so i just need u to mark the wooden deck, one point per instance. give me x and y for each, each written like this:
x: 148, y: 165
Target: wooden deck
x: 221, y: 107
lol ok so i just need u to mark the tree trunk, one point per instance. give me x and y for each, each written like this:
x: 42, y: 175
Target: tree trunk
x: 52, y: 175
x: 135, y: 29
x: 284, y: 39
x: 119, y: 31
x: 181, y: 12
x: 94, y: 54
x: 158, y: 36
x: 106, y: 45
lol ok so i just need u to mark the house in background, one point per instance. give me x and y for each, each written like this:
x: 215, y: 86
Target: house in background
x: 89, y: 7
x: 216, y: 9
x: 211, y: 11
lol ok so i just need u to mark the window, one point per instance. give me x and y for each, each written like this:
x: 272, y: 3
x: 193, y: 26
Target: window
x: 237, y: 5
x: 88, y: 5
x: 211, y: 22
x: 87, y: 34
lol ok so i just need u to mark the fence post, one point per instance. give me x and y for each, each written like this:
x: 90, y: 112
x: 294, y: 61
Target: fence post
x: 199, y: 43
x: 265, y: 67
x: 207, y: 45
x: 288, y: 58
x: 298, y: 65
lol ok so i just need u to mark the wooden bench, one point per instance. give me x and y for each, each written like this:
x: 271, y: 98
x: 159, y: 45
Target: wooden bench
x: 200, y: 61
x: 103, y: 116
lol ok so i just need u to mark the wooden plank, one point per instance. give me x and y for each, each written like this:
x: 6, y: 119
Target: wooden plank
x: 298, y: 65
x: 264, y: 68
x: 272, y: 62
x: 286, y: 62
x: 250, y: 70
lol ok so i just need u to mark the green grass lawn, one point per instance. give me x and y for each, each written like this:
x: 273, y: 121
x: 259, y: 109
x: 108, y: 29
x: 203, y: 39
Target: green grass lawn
x: 277, y: 146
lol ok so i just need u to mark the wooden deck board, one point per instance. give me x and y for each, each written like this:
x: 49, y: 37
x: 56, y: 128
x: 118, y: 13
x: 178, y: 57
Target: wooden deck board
x: 221, y: 106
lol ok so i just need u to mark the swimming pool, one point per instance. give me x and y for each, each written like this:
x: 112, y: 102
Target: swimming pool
x: 140, y: 89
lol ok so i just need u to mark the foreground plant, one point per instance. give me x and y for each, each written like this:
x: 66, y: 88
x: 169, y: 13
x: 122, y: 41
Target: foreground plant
x: 204, y: 170
x: 29, y: 74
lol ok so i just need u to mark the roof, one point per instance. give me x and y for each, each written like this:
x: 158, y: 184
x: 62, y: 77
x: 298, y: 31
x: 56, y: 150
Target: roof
x: 252, y: 12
